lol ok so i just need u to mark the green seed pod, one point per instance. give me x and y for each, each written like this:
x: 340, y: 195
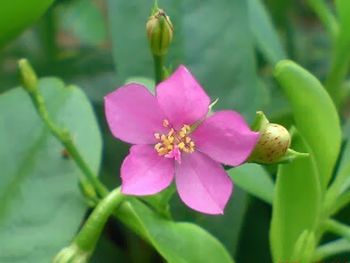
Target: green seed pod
x: 273, y: 144
x: 159, y: 32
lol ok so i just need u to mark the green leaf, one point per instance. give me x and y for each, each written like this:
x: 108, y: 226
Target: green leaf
x: 323, y: 11
x: 265, y: 35
x: 17, y: 15
x: 344, y: 165
x: 315, y: 115
x: 234, y: 217
x: 219, y: 51
x: 296, y: 205
x: 343, y: 10
x: 41, y: 205
x: 340, y: 53
x: 176, y: 242
x: 253, y: 179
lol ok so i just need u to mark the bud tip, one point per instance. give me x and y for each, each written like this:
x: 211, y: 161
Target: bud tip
x: 28, y: 76
x: 159, y: 31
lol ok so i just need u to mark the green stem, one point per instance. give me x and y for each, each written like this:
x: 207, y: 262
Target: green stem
x: 88, y: 236
x: 342, y: 201
x: 337, y: 228
x: 66, y: 139
x: 338, y: 71
x: 30, y: 83
x: 325, y: 15
x: 334, y: 192
x: 158, y: 68
x: 48, y: 31
x: 331, y: 249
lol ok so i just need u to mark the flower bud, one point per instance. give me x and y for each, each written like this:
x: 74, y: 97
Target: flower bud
x: 273, y: 144
x: 159, y: 32
x: 28, y: 76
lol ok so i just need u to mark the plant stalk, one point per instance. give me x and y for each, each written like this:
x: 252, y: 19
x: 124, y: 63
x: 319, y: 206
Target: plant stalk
x: 158, y: 68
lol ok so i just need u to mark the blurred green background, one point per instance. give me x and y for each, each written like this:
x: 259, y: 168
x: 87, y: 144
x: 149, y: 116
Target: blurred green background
x: 231, y: 46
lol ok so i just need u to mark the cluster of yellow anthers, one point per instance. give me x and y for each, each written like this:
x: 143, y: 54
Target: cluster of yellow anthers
x: 179, y: 139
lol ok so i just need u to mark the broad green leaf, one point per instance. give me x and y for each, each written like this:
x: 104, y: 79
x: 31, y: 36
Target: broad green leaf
x: 296, y: 204
x: 253, y: 179
x: 177, y: 242
x: 214, y: 41
x: 315, y: 115
x: 234, y: 217
x: 84, y: 20
x: 266, y: 37
x: 16, y: 15
x: 41, y: 205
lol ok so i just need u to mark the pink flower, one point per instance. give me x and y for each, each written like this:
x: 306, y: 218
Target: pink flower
x: 174, y: 137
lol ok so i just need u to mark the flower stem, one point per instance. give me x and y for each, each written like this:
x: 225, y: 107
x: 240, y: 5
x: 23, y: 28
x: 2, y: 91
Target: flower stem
x: 158, y: 68
x: 342, y: 201
x: 338, y: 71
x: 325, y: 15
x: 335, y: 196
x: 88, y: 236
x: 29, y: 81
x: 48, y: 33
x: 340, y: 55
x: 66, y: 139
x: 331, y: 249
x: 338, y: 228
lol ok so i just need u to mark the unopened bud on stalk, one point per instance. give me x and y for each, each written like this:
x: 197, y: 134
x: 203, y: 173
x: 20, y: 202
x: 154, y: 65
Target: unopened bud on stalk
x: 273, y: 144
x: 28, y: 76
x: 159, y: 32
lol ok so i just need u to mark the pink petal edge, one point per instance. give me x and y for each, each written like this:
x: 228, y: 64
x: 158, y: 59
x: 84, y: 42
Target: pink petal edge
x: 225, y: 137
x: 203, y: 184
x: 144, y: 172
x: 133, y: 114
x: 182, y: 98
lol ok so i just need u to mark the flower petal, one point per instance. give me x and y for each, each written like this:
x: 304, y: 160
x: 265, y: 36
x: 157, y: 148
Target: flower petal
x: 133, y: 114
x: 182, y: 99
x: 203, y: 183
x: 225, y: 137
x: 144, y: 172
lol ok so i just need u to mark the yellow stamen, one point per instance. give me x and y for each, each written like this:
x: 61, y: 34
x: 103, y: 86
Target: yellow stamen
x: 181, y: 145
x: 180, y: 139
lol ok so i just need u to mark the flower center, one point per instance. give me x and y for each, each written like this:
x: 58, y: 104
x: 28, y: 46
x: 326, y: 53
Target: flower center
x: 171, y: 145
